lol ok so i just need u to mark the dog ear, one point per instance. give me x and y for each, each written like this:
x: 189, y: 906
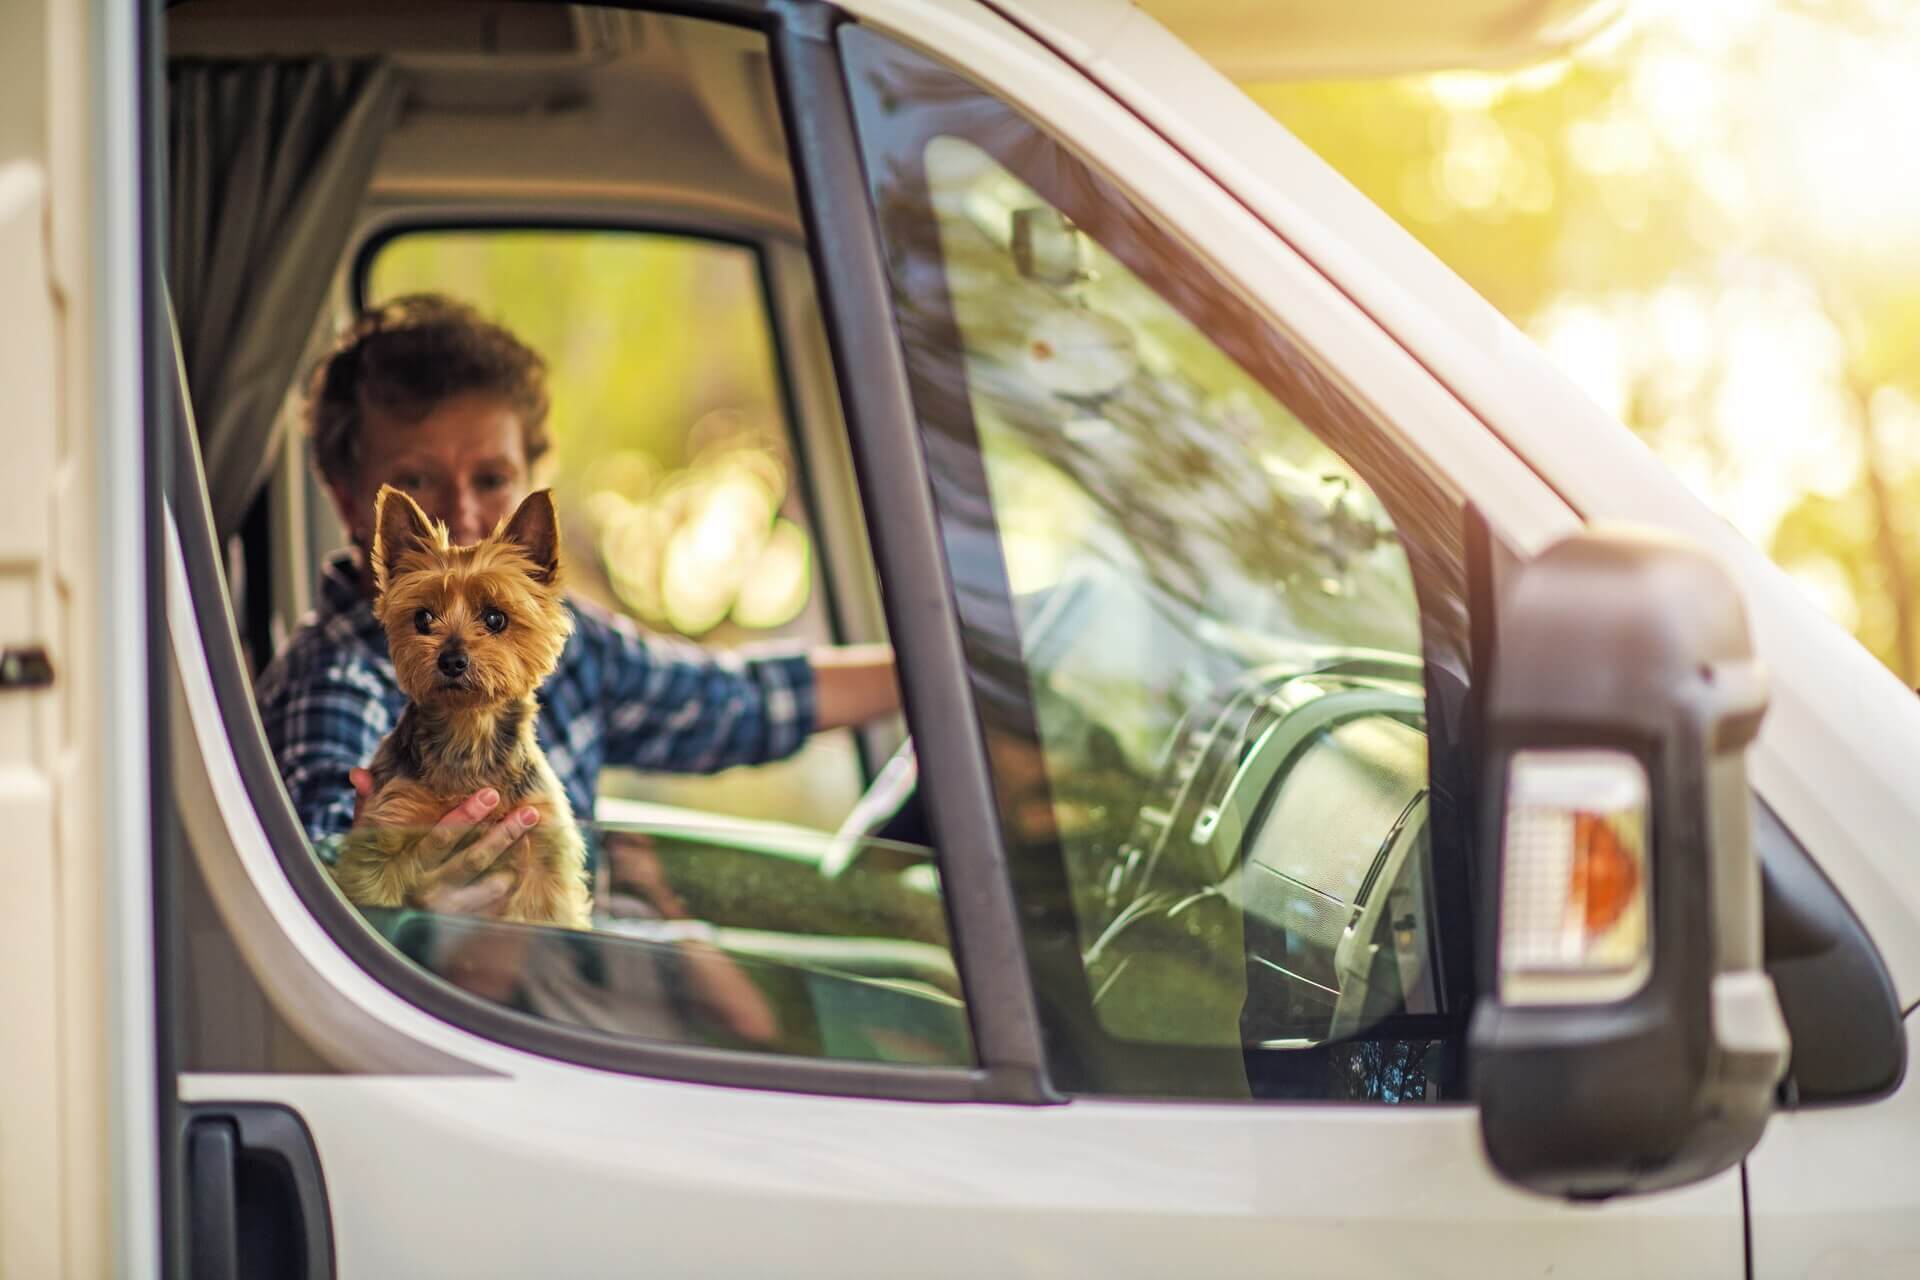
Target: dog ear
x: 399, y: 526
x: 535, y: 529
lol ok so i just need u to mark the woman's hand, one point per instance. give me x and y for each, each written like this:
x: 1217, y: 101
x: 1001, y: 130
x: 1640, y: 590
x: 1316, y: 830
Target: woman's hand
x: 462, y: 878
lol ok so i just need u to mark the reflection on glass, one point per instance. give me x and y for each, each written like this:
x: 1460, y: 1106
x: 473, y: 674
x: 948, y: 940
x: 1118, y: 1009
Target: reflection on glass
x: 1193, y: 624
x: 730, y: 937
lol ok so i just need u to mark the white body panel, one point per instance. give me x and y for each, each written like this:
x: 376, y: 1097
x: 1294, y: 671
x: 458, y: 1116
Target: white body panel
x: 78, y: 1125
x: 30, y: 917
x: 1835, y: 1191
x: 557, y: 1170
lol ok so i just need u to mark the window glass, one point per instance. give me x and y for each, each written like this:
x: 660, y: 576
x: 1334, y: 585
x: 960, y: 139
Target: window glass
x: 1197, y: 623
x: 673, y: 462
x: 759, y: 909
x: 735, y: 936
x: 781, y: 907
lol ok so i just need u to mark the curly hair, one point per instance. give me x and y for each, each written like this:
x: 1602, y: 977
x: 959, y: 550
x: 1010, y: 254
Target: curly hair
x: 405, y: 358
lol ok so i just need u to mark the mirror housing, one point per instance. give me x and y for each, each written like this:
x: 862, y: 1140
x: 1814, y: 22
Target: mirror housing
x: 1626, y: 1038
x: 1047, y: 248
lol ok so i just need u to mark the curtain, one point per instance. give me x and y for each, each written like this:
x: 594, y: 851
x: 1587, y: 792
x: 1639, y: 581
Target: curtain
x: 269, y: 160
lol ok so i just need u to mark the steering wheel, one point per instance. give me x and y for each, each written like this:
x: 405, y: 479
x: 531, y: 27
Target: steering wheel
x: 1231, y: 758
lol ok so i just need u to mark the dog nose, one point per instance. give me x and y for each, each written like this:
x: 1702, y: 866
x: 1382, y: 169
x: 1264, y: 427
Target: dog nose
x: 453, y: 662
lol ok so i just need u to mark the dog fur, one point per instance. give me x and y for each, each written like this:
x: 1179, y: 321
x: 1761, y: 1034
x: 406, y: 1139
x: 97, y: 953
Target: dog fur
x: 461, y: 733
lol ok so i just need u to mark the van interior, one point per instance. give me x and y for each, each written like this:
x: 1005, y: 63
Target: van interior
x: 616, y: 186
x: 325, y: 157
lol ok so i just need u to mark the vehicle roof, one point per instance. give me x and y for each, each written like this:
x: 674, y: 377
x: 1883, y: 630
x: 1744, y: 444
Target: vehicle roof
x: 519, y: 106
x: 538, y: 104
x: 1251, y: 41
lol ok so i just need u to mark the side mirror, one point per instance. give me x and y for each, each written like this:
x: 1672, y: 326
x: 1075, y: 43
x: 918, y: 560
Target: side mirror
x: 1047, y: 248
x: 1626, y: 1038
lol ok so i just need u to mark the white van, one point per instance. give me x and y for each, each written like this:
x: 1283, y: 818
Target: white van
x: 1355, y: 813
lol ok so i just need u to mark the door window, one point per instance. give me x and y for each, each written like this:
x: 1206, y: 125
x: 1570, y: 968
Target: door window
x: 1208, y: 614
x: 788, y: 911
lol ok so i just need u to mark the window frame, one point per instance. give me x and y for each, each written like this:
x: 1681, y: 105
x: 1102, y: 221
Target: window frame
x: 1359, y: 436
x: 858, y: 320
x: 896, y: 497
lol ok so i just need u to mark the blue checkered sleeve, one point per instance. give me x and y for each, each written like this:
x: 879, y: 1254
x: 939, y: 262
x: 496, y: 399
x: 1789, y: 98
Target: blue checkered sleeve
x: 672, y: 706
x: 320, y: 723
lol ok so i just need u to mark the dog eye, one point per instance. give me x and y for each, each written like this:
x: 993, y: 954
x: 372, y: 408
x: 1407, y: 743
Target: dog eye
x: 494, y: 621
x: 423, y: 621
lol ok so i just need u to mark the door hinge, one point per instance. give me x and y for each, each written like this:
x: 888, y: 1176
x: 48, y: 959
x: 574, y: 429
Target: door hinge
x: 26, y: 667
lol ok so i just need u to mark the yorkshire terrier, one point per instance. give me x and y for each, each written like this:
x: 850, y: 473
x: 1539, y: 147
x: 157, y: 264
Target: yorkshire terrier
x: 473, y: 631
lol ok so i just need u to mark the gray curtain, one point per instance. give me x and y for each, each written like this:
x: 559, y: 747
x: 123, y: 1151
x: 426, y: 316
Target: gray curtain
x: 268, y: 160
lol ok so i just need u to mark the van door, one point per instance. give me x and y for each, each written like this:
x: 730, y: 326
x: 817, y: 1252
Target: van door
x: 29, y: 735
x: 78, y: 1133
x: 1172, y: 563
x: 1213, y: 601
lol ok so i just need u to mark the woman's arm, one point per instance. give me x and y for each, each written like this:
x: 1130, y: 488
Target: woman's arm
x: 853, y: 684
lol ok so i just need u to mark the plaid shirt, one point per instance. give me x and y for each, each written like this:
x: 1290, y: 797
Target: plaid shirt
x: 615, y: 698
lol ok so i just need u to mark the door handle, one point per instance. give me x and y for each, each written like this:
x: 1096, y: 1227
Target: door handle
x: 25, y: 667
x: 213, y: 1237
x: 256, y: 1201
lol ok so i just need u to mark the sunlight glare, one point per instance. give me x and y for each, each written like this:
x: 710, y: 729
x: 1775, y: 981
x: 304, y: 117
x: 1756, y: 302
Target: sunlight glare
x: 1712, y: 26
x: 1852, y: 171
x: 1780, y: 414
x: 1680, y: 98
x: 1616, y: 143
x: 1826, y: 583
x: 1473, y: 169
x: 1587, y: 345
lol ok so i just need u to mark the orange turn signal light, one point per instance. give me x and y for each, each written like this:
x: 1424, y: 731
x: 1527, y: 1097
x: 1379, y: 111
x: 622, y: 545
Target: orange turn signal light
x: 1575, y: 894
x: 1606, y: 877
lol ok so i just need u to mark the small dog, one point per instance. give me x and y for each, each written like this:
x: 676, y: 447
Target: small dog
x: 473, y: 632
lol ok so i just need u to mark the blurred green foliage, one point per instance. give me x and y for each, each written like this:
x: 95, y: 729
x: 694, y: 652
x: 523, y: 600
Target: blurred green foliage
x: 671, y: 461
x: 645, y: 333
x: 1710, y: 215
x: 672, y: 465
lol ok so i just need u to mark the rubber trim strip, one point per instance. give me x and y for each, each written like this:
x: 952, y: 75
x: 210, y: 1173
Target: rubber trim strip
x: 895, y: 489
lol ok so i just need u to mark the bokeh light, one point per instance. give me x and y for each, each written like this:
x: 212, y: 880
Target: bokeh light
x: 692, y: 547
x: 1709, y: 216
x: 671, y: 463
